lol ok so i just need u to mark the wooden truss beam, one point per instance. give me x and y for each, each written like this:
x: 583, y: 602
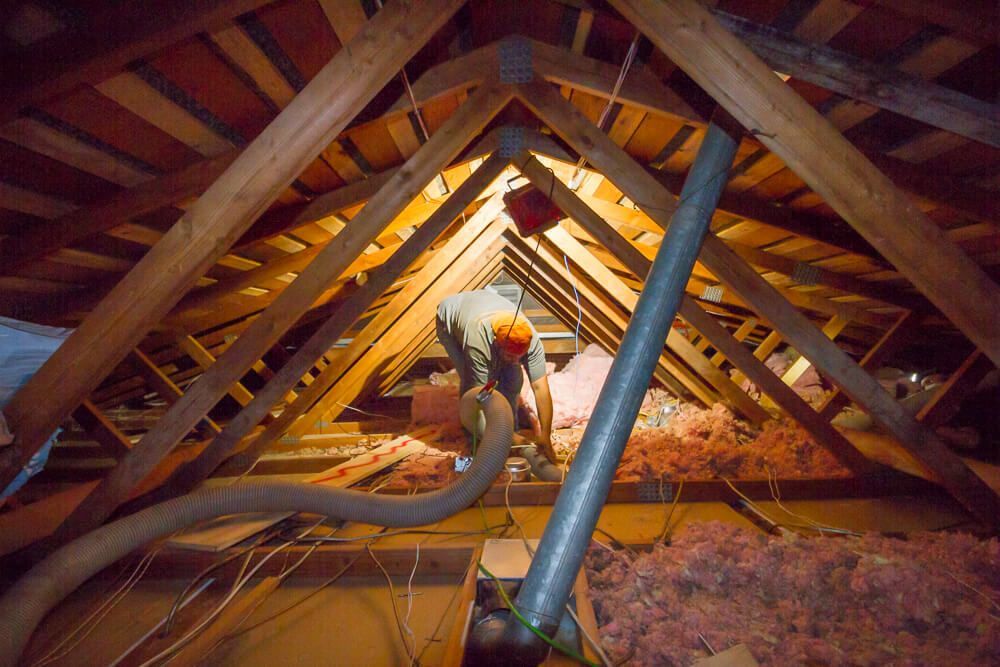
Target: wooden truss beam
x: 642, y: 188
x: 619, y: 215
x: 701, y: 278
x: 335, y: 96
x: 606, y: 281
x: 319, y: 402
x: 917, y: 440
x: 645, y: 92
x: 602, y: 316
x: 308, y: 354
x: 404, y: 341
x: 293, y: 302
x: 801, y: 365
x: 719, y: 338
x: 21, y: 250
x: 881, y: 86
x: 892, y: 341
x: 67, y: 59
x: 164, y: 387
x: 739, y: 336
x: 103, y: 430
x: 949, y: 396
x: 789, y: 126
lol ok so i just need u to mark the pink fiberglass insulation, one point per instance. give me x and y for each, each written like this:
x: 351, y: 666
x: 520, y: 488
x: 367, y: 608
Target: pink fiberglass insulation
x: 873, y: 600
x: 809, y: 385
x: 707, y: 444
x: 435, y: 403
x: 575, y: 388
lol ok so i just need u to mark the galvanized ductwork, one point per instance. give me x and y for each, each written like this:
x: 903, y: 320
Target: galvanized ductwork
x: 546, y: 589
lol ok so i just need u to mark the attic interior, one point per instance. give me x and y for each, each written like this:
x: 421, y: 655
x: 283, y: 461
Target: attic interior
x: 766, y: 295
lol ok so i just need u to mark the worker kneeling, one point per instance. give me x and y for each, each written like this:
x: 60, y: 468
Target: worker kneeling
x: 487, y: 342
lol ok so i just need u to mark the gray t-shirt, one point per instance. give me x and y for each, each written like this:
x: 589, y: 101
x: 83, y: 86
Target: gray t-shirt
x: 467, y: 316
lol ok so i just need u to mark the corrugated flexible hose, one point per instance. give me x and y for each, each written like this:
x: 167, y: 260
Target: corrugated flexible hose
x: 25, y: 604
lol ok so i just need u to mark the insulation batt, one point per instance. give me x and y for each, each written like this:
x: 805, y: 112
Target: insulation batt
x: 873, y: 600
x: 575, y: 388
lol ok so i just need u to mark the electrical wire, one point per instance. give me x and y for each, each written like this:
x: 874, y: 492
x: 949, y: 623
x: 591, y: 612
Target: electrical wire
x: 512, y: 518
x: 821, y: 527
x: 531, y: 552
x: 664, y: 534
x: 626, y: 65
x: 168, y: 623
x: 454, y: 595
x: 291, y: 606
x: 404, y: 531
x: 527, y: 279
x: 409, y: 606
x: 93, y: 620
x: 579, y: 318
x: 594, y: 644
x: 410, y: 652
x: 195, y: 593
x: 364, y: 412
x: 240, y: 583
x: 764, y: 514
x: 520, y: 617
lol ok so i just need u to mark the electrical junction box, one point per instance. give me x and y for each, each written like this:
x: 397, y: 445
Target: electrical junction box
x: 531, y: 210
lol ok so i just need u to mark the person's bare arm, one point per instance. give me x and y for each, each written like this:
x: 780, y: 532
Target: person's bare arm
x: 543, y: 401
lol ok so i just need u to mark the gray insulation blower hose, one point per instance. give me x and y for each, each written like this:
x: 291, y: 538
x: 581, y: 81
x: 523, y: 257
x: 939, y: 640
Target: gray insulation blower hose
x: 26, y: 603
x: 541, y: 467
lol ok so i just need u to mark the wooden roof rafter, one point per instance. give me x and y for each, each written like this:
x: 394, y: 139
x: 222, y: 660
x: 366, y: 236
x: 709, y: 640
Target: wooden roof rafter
x: 532, y: 96
x: 794, y: 130
x: 333, y: 98
x: 601, y: 152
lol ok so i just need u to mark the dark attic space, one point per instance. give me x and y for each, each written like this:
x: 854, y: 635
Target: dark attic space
x: 499, y: 332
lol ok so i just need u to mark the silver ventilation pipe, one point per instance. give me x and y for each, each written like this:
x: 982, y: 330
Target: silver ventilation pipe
x: 546, y: 589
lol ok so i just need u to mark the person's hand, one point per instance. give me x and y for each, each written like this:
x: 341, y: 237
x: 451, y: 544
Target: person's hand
x: 544, y: 443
